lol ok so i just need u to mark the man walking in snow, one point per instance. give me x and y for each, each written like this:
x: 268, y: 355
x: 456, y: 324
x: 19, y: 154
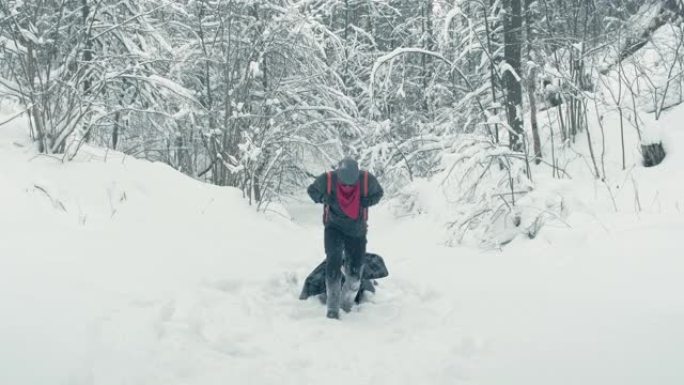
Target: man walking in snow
x: 347, y: 193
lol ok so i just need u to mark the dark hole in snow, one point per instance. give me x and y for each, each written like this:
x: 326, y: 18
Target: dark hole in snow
x: 653, y: 154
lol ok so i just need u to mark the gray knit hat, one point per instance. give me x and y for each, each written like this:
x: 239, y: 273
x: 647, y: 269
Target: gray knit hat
x: 348, y: 171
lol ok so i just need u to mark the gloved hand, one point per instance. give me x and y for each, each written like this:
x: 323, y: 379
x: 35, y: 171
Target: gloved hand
x: 327, y: 199
x: 365, y: 202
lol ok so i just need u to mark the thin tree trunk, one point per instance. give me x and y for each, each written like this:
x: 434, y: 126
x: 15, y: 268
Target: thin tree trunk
x: 492, y: 68
x: 531, y: 89
x: 536, y: 141
x: 87, y: 56
x: 115, y: 130
x: 426, y: 60
x: 512, y: 55
x: 589, y: 142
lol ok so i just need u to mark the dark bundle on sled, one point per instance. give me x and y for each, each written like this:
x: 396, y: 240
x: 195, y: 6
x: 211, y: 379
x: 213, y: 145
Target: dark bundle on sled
x: 373, y: 268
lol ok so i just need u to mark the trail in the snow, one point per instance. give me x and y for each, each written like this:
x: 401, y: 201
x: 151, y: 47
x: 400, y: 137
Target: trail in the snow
x: 262, y: 334
x: 259, y: 332
x: 532, y: 315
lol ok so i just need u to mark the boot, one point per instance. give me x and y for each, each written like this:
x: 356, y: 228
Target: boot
x: 349, y: 291
x: 333, y: 292
x: 333, y: 314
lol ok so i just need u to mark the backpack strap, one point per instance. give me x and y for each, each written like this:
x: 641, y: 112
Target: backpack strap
x: 365, y: 194
x: 326, y: 208
x: 329, y: 190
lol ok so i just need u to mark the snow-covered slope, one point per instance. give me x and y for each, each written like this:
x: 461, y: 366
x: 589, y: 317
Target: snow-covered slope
x: 80, y: 240
x: 120, y: 271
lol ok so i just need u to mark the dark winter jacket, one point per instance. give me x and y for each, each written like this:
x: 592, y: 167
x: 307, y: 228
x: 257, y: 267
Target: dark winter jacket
x: 336, y: 217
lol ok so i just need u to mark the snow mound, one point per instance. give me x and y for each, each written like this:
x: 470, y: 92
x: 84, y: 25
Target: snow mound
x: 83, y: 238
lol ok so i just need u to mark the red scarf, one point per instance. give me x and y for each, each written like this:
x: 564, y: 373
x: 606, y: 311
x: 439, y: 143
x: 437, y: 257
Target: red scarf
x: 349, y: 198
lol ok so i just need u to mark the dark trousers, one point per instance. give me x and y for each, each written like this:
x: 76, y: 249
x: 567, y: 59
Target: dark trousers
x: 338, y: 246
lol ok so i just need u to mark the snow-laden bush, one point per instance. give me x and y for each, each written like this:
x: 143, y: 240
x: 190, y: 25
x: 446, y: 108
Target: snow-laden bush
x: 481, y: 192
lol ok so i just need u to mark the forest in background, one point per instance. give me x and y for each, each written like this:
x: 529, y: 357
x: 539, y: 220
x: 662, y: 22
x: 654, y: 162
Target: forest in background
x: 261, y: 95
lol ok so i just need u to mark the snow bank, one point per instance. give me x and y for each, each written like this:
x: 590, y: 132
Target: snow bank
x: 105, y: 231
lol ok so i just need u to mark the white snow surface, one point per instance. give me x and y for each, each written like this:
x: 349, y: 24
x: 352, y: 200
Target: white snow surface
x: 119, y: 271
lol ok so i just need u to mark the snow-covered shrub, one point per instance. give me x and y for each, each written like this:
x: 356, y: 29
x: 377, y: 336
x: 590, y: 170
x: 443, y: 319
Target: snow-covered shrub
x: 482, y: 194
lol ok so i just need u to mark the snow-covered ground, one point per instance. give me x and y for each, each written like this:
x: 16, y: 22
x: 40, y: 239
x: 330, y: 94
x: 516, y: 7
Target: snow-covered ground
x: 120, y: 271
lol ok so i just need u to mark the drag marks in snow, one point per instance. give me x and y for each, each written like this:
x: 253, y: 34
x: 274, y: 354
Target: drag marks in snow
x: 261, y: 331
